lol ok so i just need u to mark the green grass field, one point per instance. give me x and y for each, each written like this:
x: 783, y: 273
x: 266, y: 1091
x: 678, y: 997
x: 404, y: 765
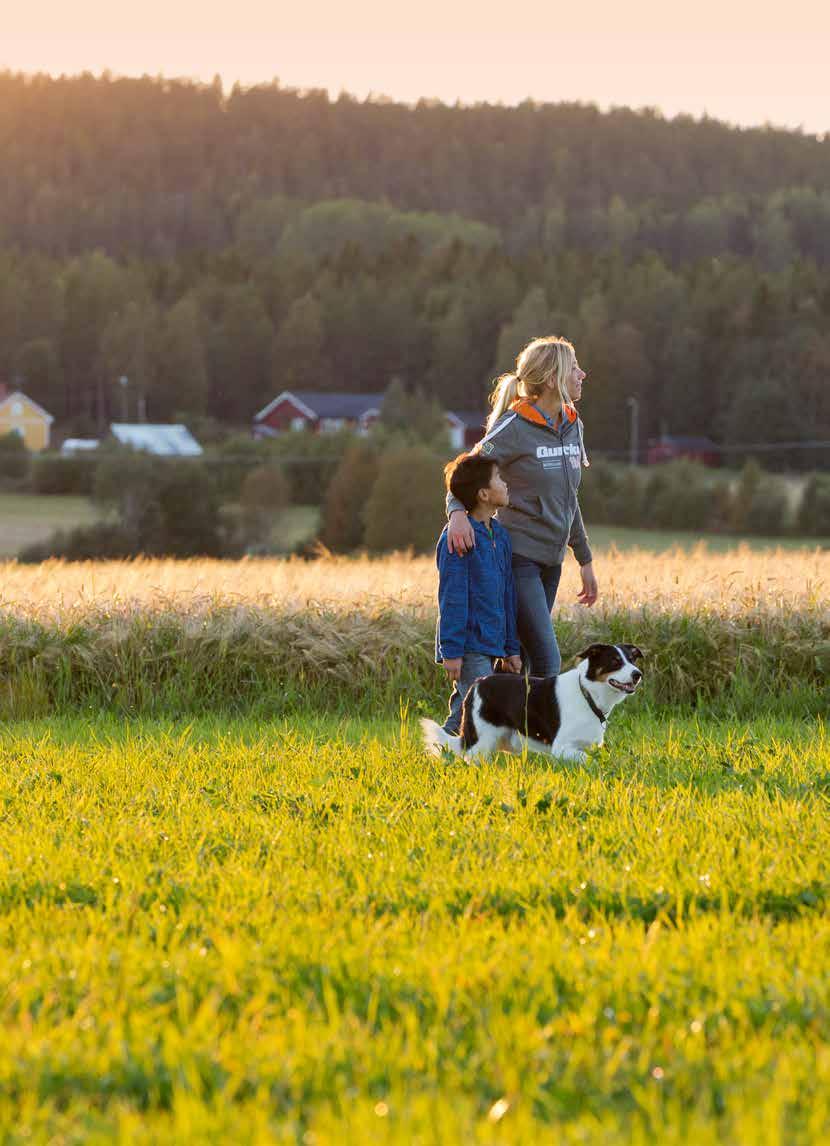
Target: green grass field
x: 294, y: 526
x: 27, y: 518
x: 661, y: 540
x: 304, y: 931
x: 238, y: 902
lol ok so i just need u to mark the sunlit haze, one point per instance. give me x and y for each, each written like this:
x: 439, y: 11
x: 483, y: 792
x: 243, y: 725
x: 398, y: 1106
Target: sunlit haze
x: 742, y: 62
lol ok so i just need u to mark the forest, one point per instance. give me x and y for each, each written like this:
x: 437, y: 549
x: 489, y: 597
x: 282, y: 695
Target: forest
x: 218, y: 247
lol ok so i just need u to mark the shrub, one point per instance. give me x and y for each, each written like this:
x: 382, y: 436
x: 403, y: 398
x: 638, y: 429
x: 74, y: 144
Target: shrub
x: 769, y: 510
x: 405, y: 507
x: 127, y: 482
x: 599, y: 483
x: 265, y: 488
x: 106, y: 540
x: 310, y: 461
x: 743, y: 494
x: 626, y: 504
x: 613, y: 495
x: 53, y: 473
x: 309, y: 478
x: 412, y: 417
x: 165, y: 506
x: 234, y: 459
x: 265, y: 492
x: 814, y: 510
x: 347, y: 495
x: 721, y: 510
x: 15, y: 459
x: 188, y: 511
x: 678, y: 496
x: 685, y: 495
x: 760, y: 503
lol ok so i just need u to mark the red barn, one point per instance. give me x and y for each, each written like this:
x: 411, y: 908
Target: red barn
x: 320, y: 412
x: 669, y: 448
x: 466, y: 428
x: 323, y: 412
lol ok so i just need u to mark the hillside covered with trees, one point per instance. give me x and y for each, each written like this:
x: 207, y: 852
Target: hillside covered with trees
x: 217, y: 248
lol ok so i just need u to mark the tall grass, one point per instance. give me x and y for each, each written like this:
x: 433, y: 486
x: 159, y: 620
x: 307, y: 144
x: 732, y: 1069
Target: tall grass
x: 722, y: 584
x: 742, y: 630
x: 247, y: 658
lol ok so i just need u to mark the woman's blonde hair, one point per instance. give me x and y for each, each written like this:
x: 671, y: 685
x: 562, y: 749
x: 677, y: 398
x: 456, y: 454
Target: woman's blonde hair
x: 543, y: 360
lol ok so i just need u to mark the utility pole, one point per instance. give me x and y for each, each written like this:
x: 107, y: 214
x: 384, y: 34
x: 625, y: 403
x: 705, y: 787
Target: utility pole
x: 634, y: 439
x: 124, y: 382
x: 99, y: 401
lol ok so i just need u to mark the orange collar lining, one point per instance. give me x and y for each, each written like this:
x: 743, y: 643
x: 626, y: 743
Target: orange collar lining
x: 525, y: 408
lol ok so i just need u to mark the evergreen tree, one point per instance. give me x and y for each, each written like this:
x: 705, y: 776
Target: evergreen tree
x: 531, y: 319
x: 299, y: 358
x: 181, y: 377
x: 349, y: 490
x: 405, y: 506
x: 38, y: 369
x: 130, y: 348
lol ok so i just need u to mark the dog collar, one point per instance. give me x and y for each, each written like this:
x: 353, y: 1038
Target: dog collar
x: 594, y: 707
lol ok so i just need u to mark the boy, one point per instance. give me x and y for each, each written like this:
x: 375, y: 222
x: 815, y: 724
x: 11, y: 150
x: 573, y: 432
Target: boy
x: 476, y: 593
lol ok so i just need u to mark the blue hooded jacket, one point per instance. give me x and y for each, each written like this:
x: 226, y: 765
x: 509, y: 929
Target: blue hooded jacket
x: 477, y: 596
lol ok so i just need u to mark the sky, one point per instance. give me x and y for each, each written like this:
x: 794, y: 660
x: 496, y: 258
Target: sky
x: 742, y: 62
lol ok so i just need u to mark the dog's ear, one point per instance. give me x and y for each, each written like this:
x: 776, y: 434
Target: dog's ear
x: 591, y: 651
x: 633, y: 653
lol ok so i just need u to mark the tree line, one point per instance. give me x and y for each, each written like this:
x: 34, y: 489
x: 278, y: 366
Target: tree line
x: 164, y: 166
x: 215, y: 249
x: 711, y: 348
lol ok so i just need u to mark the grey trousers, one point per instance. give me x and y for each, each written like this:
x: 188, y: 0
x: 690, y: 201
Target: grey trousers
x: 473, y: 665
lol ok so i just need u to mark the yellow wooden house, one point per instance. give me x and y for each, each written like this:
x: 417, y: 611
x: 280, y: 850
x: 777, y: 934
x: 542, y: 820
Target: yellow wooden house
x: 20, y: 415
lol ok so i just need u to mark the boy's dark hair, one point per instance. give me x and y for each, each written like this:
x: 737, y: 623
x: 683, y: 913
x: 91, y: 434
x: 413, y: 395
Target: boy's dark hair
x: 466, y: 475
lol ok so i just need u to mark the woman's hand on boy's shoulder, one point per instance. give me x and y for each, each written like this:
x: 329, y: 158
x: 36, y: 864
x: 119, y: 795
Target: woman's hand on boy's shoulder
x: 460, y: 536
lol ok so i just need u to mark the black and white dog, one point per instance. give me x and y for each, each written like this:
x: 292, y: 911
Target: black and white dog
x: 561, y: 715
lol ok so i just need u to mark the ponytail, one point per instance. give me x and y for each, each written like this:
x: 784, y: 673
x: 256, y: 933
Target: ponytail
x: 542, y: 361
x: 505, y: 393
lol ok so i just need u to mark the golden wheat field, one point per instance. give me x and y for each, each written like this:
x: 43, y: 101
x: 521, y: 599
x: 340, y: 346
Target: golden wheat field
x: 727, y: 584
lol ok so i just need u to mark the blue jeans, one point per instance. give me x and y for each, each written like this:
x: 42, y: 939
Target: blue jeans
x: 536, y: 587
x: 473, y: 665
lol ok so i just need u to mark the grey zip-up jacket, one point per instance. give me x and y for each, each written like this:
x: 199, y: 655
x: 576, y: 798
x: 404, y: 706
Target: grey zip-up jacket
x: 542, y: 468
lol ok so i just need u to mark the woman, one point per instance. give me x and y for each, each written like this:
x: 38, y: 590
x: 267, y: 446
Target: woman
x: 535, y: 436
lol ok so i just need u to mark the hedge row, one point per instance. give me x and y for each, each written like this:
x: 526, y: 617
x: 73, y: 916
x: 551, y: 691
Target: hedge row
x: 686, y: 495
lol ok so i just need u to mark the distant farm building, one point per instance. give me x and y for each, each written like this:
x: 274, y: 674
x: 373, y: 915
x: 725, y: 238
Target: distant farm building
x: 320, y: 412
x: 466, y: 428
x: 72, y: 446
x: 171, y: 441
x: 325, y: 413
x: 21, y: 415
x: 669, y: 448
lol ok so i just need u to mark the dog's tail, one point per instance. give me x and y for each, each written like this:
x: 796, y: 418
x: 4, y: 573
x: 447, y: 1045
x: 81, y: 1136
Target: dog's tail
x: 436, y: 739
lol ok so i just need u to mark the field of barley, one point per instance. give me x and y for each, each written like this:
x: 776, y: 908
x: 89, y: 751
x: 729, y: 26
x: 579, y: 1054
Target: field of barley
x: 723, y: 583
x: 238, y: 902
x: 356, y: 634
